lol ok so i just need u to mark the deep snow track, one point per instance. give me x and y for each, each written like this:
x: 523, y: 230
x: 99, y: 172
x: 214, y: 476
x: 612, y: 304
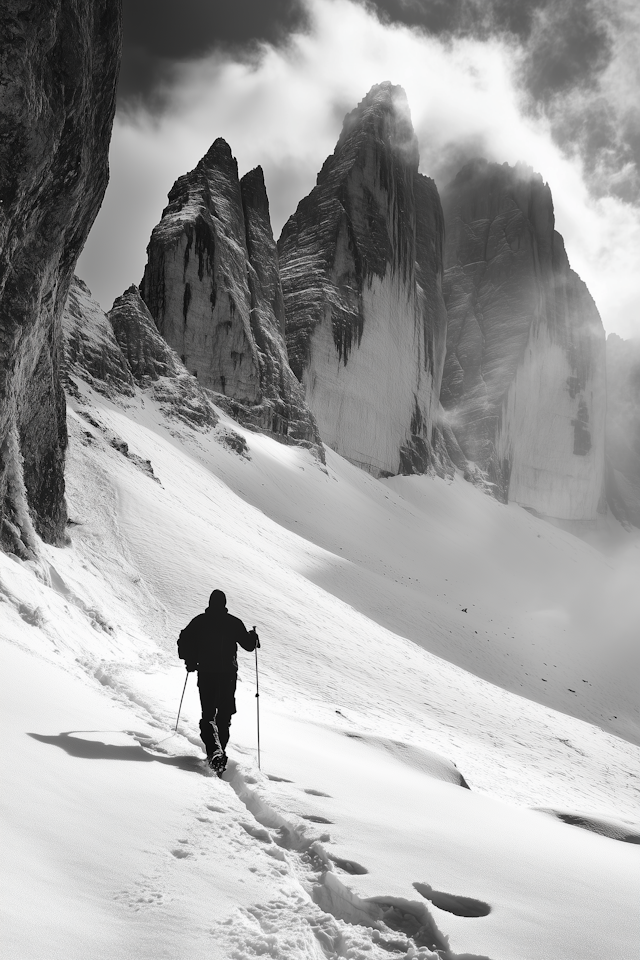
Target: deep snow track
x: 313, y: 912
x: 315, y: 900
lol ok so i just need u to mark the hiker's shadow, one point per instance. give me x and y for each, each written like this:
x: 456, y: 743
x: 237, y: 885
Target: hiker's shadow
x: 77, y: 746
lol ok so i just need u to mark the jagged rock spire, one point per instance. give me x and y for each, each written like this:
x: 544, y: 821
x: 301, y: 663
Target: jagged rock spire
x: 361, y: 267
x: 212, y: 286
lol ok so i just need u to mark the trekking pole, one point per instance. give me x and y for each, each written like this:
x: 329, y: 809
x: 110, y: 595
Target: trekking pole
x: 181, y: 699
x: 257, y: 700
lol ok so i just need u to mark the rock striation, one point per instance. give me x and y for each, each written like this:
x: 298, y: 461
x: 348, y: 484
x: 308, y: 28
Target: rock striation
x: 213, y: 289
x: 524, y: 378
x: 144, y: 363
x: 361, y: 267
x: 119, y: 351
x: 90, y: 348
x: 623, y: 429
x: 58, y: 66
x: 154, y: 366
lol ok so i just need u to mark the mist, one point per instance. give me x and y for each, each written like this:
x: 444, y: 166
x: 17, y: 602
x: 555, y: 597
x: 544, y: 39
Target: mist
x: 282, y: 106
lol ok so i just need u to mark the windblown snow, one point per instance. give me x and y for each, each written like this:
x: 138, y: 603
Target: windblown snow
x: 434, y: 667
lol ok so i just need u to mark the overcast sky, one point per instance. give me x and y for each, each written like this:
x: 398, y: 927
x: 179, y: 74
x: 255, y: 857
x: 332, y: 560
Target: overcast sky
x: 555, y: 83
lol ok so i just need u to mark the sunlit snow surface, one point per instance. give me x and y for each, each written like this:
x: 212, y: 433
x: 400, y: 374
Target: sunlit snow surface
x: 403, y: 623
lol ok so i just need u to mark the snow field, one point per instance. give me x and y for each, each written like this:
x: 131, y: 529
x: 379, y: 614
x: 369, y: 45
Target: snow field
x: 357, y: 839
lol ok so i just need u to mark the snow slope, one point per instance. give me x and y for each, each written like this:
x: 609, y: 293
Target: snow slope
x: 407, y: 625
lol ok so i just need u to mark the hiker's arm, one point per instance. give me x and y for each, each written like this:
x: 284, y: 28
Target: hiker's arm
x: 187, y: 647
x: 248, y: 639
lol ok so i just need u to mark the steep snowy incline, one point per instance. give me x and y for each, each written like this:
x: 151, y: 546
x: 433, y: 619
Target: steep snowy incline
x: 462, y: 563
x: 362, y: 719
x: 490, y: 588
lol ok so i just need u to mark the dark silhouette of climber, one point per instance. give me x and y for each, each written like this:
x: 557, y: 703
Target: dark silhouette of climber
x: 209, y: 644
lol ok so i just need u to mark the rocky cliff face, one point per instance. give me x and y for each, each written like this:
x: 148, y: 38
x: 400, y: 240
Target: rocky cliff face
x: 524, y: 379
x: 90, y: 347
x: 118, y: 351
x: 154, y: 365
x: 623, y: 428
x: 212, y: 286
x: 59, y: 64
x: 361, y: 268
x: 121, y: 355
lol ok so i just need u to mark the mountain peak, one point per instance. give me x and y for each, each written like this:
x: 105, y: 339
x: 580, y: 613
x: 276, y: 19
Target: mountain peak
x: 218, y: 155
x: 489, y: 179
x: 384, y: 113
x: 383, y: 94
x: 524, y: 375
x: 361, y: 263
x: 505, y: 174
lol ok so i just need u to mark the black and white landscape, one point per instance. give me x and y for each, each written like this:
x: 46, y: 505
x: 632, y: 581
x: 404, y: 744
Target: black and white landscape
x: 393, y: 430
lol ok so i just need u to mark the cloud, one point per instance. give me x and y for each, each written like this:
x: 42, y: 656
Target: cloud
x: 283, y: 106
x: 598, y: 117
x: 157, y: 33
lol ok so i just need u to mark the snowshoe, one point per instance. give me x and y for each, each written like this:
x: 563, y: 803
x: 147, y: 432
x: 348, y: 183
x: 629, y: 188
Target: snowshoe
x: 217, y: 762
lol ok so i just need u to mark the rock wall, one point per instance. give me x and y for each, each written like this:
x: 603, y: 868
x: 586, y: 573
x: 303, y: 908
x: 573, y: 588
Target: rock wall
x: 154, y: 366
x: 59, y: 64
x: 623, y: 429
x: 524, y: 378
x: 361, y: 268
x: 91, y: 350
x: 212, y: 286
x: 118, y: 352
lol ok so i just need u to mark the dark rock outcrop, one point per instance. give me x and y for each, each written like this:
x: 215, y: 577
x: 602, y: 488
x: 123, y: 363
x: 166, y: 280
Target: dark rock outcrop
x: 623, y: 429
x: 154, y: 365
x: 116, y: 353
x: 361, y: 268
x: 59, y: 62
x: 524, y: 378
x: 212, y: 286
x: 90, y: 347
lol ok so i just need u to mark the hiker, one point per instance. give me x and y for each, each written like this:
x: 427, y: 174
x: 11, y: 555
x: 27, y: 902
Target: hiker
x: 209, y: 644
